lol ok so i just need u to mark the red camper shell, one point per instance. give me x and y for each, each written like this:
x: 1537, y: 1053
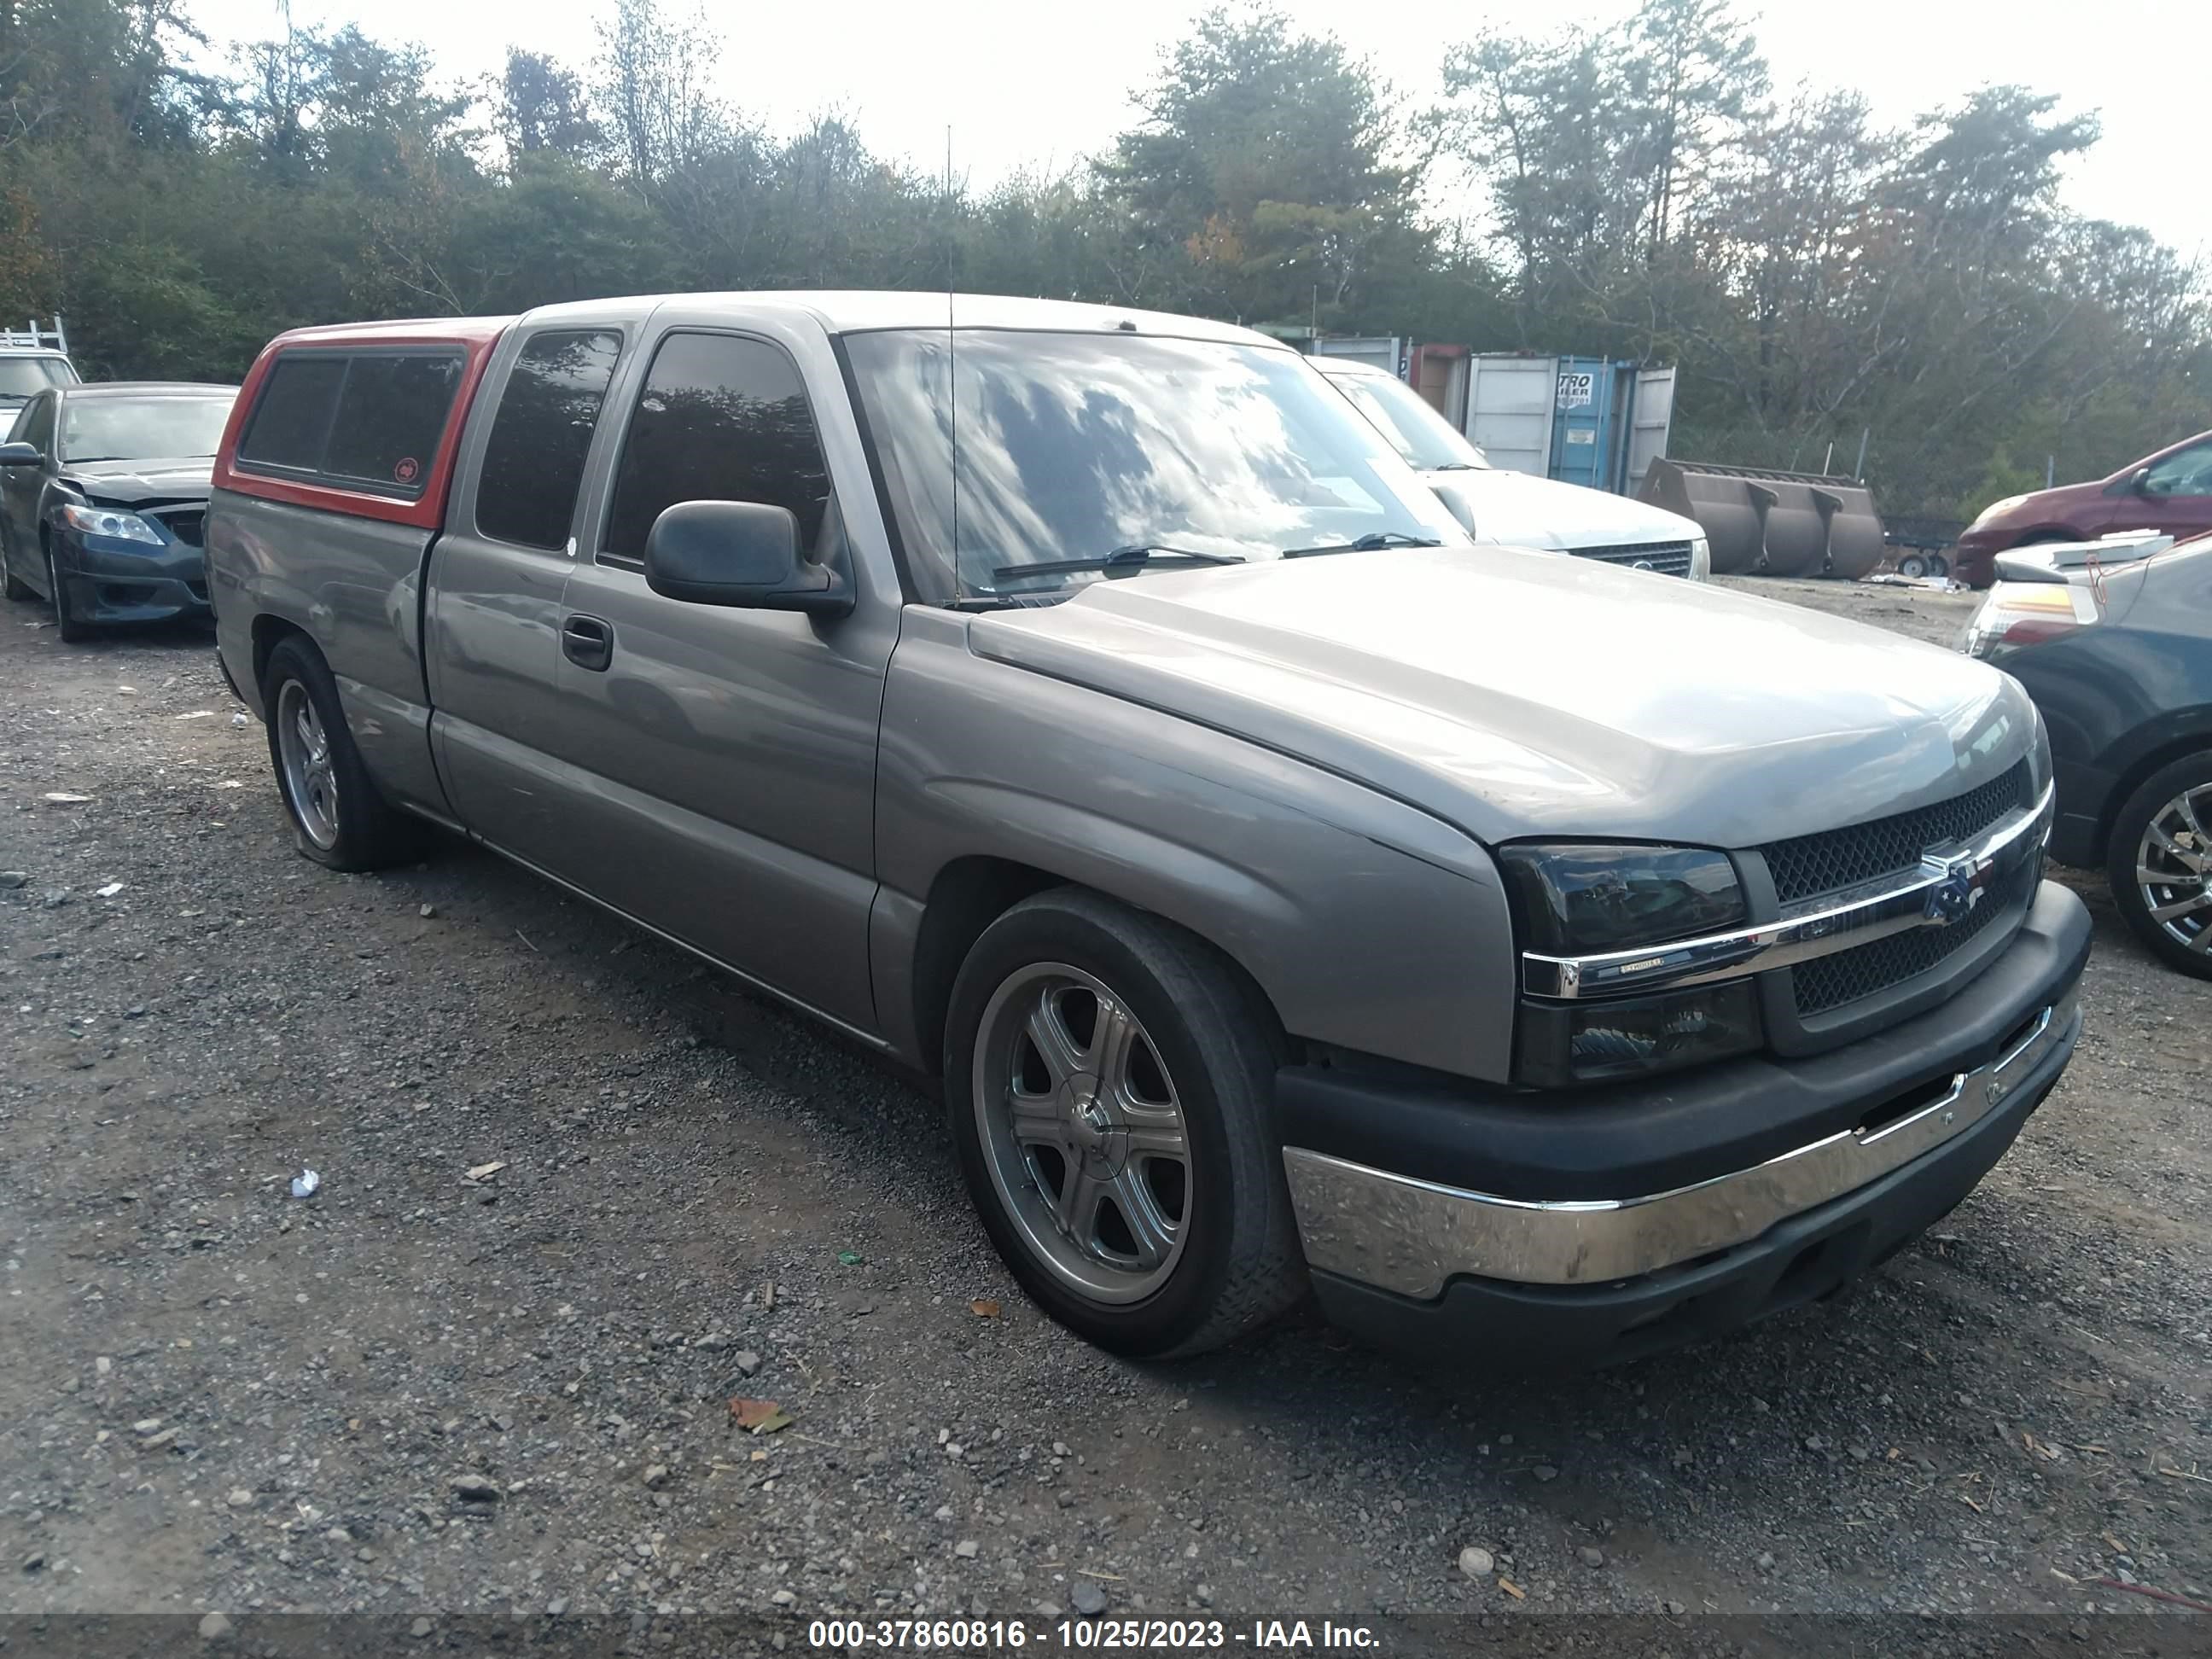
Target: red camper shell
x: 404, y: 388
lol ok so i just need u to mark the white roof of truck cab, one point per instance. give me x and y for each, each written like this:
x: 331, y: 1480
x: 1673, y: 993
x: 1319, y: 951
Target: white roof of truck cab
x: 861, y: 312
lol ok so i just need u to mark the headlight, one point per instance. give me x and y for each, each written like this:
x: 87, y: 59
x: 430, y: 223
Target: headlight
x: 1571, y: 899
x: 105, y: 521
x: 1576, y: 900
x: 1701, y: 559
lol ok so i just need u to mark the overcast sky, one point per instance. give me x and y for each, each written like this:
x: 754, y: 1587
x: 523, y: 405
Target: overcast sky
x: 1024, y: 82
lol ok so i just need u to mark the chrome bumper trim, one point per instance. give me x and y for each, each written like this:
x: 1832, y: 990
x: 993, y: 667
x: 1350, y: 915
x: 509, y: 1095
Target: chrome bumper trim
x: 1410, y: 1236
x: 1947, y: 885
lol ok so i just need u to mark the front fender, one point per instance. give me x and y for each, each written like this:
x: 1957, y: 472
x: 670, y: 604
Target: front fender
x: 1368, y: 924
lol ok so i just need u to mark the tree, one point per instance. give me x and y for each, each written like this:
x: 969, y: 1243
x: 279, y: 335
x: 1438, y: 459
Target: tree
x: 1698, y: 75
x: 1270, y: 162
x: 654, y: 76
x: 540, y: 107
x: 1540, y: 120
x: 1631, y: 193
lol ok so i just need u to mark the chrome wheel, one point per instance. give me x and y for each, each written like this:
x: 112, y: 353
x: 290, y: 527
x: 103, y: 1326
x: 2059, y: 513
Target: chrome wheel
x: 2173, y: 866
x: 1083, y: 1132
x: 310, y: 777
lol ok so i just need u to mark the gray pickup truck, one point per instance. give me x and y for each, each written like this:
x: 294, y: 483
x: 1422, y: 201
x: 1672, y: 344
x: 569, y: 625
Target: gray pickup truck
x: 1086, y: 706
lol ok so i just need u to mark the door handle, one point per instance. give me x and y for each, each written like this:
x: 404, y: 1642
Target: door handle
x: 588, y: 642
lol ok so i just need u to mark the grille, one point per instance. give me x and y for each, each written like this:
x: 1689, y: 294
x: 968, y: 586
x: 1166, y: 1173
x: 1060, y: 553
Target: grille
x: 1667, y: 558
x: 187, y: 527
x: 1828, y: 983
x: 1810, y: 865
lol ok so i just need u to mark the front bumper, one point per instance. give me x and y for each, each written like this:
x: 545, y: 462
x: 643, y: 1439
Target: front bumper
x: 111, y: 580
x: 1558, y: 1270
x: 1974, y: 558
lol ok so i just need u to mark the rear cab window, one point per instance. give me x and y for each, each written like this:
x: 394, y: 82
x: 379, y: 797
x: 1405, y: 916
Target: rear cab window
x: 370, y: 421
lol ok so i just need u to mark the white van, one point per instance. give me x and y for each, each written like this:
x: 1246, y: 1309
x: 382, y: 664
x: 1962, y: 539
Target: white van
x: 1512, y: 507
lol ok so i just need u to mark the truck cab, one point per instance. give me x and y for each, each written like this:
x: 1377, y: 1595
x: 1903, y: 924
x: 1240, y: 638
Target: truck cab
x: 1089, y: 708
x: 33, y: 359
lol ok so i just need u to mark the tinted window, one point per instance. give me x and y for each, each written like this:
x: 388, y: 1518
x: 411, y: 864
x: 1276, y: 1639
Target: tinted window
x: 720, y: 419
x: 391, y: 412
x: 293, y: 416
x: 135, y: 428
x: 35, y: 425
x: 533, y: 464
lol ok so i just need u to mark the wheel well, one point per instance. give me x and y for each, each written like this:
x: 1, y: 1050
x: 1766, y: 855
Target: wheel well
x: 2131, y: 779
x: 969, y: 895
x: 267, y: 632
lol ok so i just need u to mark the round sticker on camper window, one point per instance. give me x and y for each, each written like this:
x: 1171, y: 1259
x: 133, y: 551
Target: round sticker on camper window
x: 406, y: 469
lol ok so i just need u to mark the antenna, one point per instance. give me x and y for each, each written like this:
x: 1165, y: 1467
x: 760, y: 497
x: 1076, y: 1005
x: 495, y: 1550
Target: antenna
x: 951, y: 370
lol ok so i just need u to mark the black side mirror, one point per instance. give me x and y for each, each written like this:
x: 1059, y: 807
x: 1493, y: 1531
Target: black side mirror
x: 742, y: 554
x: 2138, y: 482
x: 21, y: 455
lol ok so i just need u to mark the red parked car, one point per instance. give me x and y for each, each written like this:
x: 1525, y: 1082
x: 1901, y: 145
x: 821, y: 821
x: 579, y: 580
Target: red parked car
x: 2170, y: 492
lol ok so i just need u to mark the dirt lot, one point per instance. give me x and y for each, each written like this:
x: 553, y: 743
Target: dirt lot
x: 215, y: 1396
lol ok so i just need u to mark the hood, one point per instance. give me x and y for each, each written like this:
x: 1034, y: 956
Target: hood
x: 1513, y: 693
x: 2043, y: 508
x: 1518, y: 510
x: 126, y: 484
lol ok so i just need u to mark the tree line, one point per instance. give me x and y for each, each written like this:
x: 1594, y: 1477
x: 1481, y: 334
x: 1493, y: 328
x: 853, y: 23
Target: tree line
x: 1644, y: 191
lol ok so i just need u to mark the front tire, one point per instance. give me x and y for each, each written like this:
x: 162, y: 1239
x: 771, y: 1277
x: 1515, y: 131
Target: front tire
x: 1109, y: 1079
x: 338, y: 818
x: 16, y: 587
x: 1913, y: 565
x: 67, y: 628
x: 2159, y: 860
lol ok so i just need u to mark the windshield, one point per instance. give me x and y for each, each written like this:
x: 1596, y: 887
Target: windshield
x: 1073, y: 445
x: 1414, y: 428
x: 25, y: 377
x: 142, y: 428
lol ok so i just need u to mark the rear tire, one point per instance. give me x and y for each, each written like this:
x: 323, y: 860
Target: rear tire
x: 1913, y: 565
x: 67, y: 628
x: 1108, y: 1079
x: 338, y: 818
x: 2159, y: 860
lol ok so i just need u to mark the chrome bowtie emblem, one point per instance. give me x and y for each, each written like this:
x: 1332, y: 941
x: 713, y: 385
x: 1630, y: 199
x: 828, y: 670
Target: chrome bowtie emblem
x: 1957, y: 890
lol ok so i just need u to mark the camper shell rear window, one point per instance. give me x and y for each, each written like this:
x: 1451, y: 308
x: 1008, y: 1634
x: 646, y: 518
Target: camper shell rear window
x: 360, y: 418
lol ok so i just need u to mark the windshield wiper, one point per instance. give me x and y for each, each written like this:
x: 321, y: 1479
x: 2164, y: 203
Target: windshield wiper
x: 1368, y: 544
x: 1455, y: 466
x: 1134, y: 558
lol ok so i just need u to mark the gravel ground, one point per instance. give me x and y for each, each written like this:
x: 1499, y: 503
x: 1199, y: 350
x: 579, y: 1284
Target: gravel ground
x: 419, y: 1393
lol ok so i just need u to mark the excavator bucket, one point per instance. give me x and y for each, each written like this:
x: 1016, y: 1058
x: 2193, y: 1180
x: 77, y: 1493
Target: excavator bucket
x: 1777, y: 524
